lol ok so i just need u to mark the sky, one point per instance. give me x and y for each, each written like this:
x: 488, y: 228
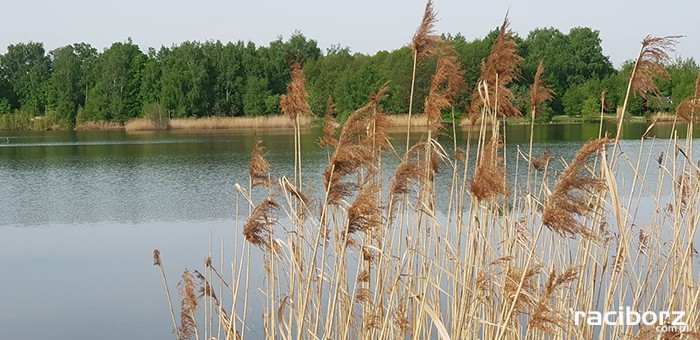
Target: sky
x: 363, y: 25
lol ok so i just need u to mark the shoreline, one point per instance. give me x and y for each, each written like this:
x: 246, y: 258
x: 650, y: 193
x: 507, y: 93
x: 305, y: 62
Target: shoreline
x: 280, y: 122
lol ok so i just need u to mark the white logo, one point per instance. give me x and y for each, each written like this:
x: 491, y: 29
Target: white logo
x: 628, y: 317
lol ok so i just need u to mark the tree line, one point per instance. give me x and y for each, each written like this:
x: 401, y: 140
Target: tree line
x: 77, y: 83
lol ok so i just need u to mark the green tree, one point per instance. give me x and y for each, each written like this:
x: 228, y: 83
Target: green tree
x: 115, y: 95
x: 26, y: 68
x: 70, y: 77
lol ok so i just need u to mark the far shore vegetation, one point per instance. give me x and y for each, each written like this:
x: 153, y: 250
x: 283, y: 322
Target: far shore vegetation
x: 202, y: 85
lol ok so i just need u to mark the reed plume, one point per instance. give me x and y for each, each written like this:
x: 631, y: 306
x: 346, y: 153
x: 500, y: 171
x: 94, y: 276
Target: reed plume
x: 259, y: 168
x: 425, y: 42
x: 539, y: 92
x: 525, y: 298
x: 498, y: 71
x: 570, y: 195
x: 445, y: 85
x: 650, y: 63
x: 689, y: 108
x: 540, y: 163
x: 258, y: 229
x: 545, y: 317
x: 294, y: 103
x: 363, y: 137
x: 489, y: 179
x: 365, y: 213
x: 188, y: 305
x: 330, y: 125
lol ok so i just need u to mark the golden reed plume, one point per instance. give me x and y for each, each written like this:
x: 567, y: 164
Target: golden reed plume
x: 188, y: 305
x: 498, y: 71
x: 363, y: 136
x: 539, y: 92
x: 650, y: 63
x: 425, y: 42
x: 571, y: 193
x: 295, y: 103
x: 259, y: 168
x: 489, y: 179
x: 445, y: 85
x: 258, y: 229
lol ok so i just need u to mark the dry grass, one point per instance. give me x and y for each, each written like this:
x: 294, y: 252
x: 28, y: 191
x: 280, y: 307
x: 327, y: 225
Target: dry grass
x: 213, y: 123
x: 99, y: 126
x: 140, y: 124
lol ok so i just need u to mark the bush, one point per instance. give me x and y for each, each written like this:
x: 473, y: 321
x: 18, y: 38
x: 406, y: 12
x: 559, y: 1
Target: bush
x: 157, y: 114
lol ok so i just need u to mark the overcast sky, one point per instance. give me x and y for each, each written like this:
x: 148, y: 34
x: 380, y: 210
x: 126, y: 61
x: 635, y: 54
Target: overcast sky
x: 363, y: 25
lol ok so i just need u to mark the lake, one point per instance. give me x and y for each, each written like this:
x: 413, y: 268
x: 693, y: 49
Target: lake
x: 81, y: 213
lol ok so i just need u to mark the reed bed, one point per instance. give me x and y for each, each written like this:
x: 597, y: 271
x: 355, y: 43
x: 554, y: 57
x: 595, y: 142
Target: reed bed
x: 375, y: 259
x: 99, y: 126
x: 211, y: 123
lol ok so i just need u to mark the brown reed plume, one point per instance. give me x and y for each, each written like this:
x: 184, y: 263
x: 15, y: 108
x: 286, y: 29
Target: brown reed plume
x: 258, y: 229
x: 489, y: 179
x: 330, y: 125
x: 498, y: 71
x: 545, y: 317
x: 365, y: 213
x: 650, y: 63
x: 188, y: 305
x: 540, y: 163
x: 294, y: 103
x: 525, y: 298
x: 445, y: 85
x: 571, y: 193
x: 363, y: 137
x: 259, y: 168
x: 689, y: 108
x: 425, y: 42
x: 539, y: 92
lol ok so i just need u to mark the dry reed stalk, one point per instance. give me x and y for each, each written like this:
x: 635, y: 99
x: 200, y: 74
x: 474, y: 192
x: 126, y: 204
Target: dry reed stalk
x: 258, y: 229
x: 188, y: 305
x: 330, y: 125
x: 259, y: 169
x: 539, y: 92
x: 158, y: 262
x: 569, y: 198
x: 489, y: 179
x: 498, y: 71
x: 423, y: 44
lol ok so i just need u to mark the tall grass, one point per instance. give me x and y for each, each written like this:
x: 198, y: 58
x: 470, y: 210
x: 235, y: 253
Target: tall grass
x: 375, y: 259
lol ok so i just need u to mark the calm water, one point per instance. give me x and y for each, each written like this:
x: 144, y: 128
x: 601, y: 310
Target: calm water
x: 80, y: 214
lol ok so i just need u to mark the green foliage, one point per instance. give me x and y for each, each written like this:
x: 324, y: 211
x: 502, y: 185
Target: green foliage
x: 157, y: 114
x: 76, y: 83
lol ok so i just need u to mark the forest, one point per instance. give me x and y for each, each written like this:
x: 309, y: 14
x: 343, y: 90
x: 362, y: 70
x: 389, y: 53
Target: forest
x: 76, y: 84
